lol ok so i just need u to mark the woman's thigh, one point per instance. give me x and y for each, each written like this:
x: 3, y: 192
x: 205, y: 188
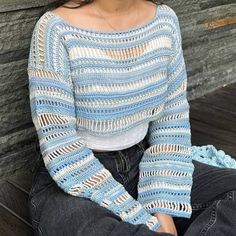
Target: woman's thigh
x: 55, y: 212
x: 212, y: 195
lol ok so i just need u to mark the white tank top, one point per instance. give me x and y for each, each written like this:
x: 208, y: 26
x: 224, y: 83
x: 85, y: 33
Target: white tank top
x: 117, y: 141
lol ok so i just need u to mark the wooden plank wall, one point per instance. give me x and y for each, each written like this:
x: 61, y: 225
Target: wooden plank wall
x: 208, y: 31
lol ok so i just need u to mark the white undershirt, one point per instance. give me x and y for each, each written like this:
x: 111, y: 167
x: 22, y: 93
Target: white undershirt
x: 117, y: 141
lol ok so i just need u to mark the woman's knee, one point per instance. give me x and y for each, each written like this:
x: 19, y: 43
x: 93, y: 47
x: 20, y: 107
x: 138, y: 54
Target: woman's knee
x: 210, y: 181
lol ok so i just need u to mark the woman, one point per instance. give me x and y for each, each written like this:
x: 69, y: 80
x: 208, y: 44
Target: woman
x: 107, y: 83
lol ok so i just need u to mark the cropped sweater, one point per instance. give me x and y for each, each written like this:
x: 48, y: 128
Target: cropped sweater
x: 107, y: 83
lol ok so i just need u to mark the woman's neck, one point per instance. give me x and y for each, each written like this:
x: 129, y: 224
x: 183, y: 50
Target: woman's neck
x: 116, y: 7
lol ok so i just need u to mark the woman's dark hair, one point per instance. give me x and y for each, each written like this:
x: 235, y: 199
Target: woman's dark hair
x: 79, y: 3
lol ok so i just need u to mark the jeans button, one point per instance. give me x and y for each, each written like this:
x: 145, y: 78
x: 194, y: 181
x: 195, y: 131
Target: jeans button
x: 231, y: 195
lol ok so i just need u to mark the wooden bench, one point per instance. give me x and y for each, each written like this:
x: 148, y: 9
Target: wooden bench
x: 212, y: 118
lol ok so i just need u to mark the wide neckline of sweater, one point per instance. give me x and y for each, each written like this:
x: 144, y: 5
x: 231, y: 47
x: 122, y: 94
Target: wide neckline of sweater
x: 98, y: 32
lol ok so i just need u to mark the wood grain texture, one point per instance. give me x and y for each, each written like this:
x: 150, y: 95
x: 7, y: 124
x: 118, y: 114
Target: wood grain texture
x: 212, y: 119
x: 15, y: 200
x: 22, y: 181
x: 12, y: 226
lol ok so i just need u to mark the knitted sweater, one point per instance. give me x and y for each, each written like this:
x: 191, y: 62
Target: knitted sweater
x: 107, y: 83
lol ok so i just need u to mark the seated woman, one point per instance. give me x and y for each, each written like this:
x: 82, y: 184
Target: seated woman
x: 108, y: 86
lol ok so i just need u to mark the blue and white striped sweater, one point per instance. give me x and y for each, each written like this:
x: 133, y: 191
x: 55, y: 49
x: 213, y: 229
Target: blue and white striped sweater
x: 106, y: 83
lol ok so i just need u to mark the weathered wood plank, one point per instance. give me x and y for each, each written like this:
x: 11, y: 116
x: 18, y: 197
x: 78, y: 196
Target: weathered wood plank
x: 15, y: 200
x: 22, y: 181
x: 212, y: 119
x: 222, y: 101
x: 213, y: 116
x: 11, y: 225
x: 203, y: 134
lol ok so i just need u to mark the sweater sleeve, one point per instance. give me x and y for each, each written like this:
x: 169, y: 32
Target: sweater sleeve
x: 70, y: 163
x: 166, y: 168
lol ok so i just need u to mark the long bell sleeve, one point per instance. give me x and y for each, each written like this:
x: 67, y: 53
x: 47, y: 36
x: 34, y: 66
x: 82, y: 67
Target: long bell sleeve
x: 166, y: 168
x: 70, y: 163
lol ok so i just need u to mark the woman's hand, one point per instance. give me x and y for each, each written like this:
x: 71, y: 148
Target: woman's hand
x: 167, y: 223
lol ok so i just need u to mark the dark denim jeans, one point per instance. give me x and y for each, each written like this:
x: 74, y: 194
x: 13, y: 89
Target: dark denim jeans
x: 55, y: 213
